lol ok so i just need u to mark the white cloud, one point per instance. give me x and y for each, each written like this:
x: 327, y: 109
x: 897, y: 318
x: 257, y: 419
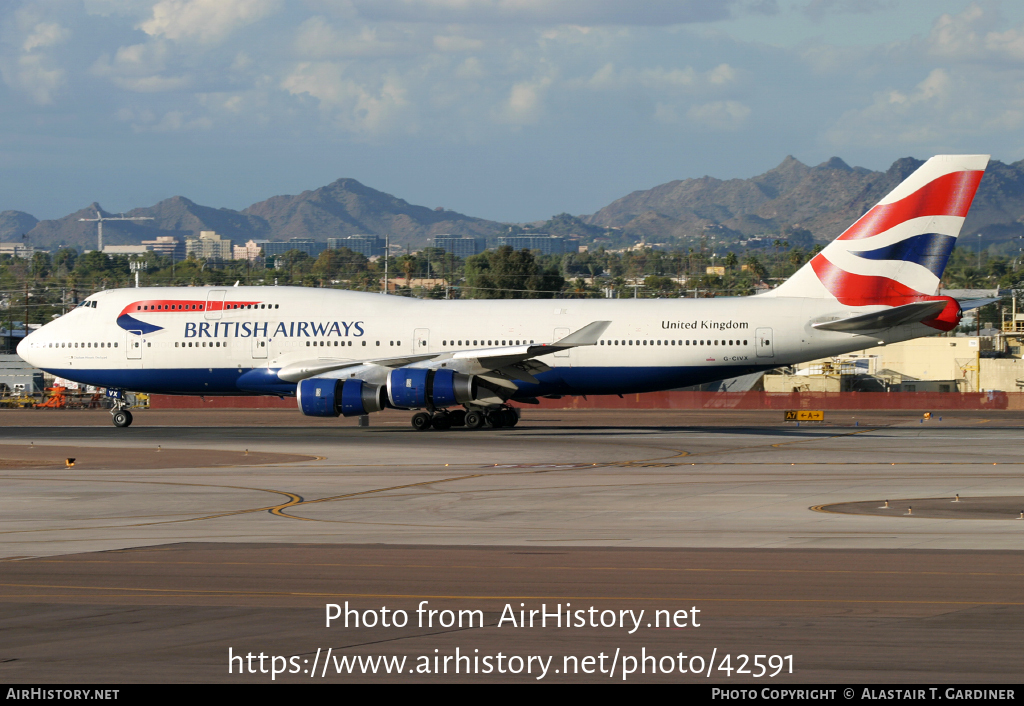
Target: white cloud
x: 974, y: 34
x: 905, y: 117
x: 31, y: 69
x: 145, y: 120
x: 719, y: 115
x: 721, y: 75
x: 470, y: 70
x: 353, y: 106
x: 659, y: 78
x: 139, y: 68
x: 818, y: 9
x: 577, y: 12
x: 207, y: 21
x: 957, y: 35
x: 524, y: 105
x: 45, y: 34
x: 32, y: 74
x: 317, y: 38
x: 457, y: 44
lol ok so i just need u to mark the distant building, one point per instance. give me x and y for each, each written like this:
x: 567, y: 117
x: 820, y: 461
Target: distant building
x: 209, y: 246
x: 167, y: 245
x: 547, y: 244
x: 369, y: 245
x: 460, y: 246
x: 250, y: 251
x: 125, y: 249
x: 306, y: 245
x: 18, y: 250
x: 416, y: 283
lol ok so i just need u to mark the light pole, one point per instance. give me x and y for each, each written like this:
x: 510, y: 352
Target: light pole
x: 979, y: 251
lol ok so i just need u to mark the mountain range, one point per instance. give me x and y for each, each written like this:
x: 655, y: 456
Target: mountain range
x: 344, y: 207
x: 793, y: 197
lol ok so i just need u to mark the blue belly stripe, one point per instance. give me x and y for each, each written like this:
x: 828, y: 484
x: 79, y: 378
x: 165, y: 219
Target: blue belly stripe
x: 261, y: 381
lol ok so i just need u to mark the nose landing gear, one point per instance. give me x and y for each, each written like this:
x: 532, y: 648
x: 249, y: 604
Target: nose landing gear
x: 119, y: 413
x: 122, y: 418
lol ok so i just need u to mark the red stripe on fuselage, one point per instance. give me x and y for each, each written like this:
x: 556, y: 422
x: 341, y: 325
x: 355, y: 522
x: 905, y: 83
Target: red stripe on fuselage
x: 160, y: 306
x: 949, y: 195
x: 869, y: 290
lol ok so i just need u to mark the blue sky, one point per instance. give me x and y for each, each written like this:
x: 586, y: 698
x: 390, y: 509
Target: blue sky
x: 504, y: 109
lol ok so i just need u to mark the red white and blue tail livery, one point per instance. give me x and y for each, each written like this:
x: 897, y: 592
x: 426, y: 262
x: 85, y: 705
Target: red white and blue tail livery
x: 462, y: 362
x: 895, y: 253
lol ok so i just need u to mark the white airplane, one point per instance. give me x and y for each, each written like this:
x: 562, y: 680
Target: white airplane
x: 461, y: 362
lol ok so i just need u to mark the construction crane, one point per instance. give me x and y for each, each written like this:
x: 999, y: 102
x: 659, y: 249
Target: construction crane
x: 99, y: 223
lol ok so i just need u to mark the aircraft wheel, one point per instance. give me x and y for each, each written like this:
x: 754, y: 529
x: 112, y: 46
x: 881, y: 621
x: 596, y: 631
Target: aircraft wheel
x: 457, y: 417
x: 442, y: 422
x: 511, y: 418
x: 421, y: 421
x: 496, y: 420
x: 122, y: 418
x: 474, y: 420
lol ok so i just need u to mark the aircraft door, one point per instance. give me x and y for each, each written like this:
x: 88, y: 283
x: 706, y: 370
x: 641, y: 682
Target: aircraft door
x: 133, y: 345
x: 260, y: 346
x: 765, y: 347
x: 561, y: 333
x: 215, y: 304
x: 421, y: 341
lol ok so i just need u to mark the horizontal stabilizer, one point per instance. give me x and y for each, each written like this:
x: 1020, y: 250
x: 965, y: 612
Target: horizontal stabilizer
x: 897, y: 316
x: 969, y: 304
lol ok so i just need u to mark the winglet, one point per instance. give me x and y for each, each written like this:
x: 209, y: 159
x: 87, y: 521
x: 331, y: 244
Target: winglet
x: 589, y: 335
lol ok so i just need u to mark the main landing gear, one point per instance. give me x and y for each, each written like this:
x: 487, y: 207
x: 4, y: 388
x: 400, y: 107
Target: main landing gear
x: 503, y: 417
x: 119, y: 413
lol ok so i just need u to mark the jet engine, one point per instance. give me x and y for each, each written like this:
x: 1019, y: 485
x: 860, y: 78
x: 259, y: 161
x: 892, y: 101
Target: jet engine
x: 414, y: 388
x: 324, y: 397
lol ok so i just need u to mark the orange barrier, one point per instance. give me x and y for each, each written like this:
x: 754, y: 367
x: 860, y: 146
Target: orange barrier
x: 911, y: 401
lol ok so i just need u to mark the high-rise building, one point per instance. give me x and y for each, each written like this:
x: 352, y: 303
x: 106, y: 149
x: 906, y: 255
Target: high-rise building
x: 209, y: 246
x: 250, y: 251
x: 460, y: 246
x: 306, y: 245
x: 167, y: 245
x: 369, y: 245
x: 547, y: 244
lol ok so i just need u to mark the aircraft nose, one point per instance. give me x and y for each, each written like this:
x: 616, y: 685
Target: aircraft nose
x: 23, y: 350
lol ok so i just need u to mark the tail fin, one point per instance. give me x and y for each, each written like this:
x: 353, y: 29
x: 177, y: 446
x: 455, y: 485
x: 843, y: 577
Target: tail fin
x: 896, y: 252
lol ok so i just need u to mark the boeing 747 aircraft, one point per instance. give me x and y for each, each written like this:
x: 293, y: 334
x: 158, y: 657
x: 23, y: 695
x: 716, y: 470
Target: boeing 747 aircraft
x: 461, y: 362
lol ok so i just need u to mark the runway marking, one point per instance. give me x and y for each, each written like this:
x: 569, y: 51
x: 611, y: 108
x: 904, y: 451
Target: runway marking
x: 519, y: 567
x: 303, y: 594
x: 293, y: 499
x: 824, y: 510
x: 826, y: 438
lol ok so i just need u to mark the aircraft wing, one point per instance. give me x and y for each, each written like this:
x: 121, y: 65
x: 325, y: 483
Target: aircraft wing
x: 293, y: 372
x: 896, y: 316
x: 498, y: 364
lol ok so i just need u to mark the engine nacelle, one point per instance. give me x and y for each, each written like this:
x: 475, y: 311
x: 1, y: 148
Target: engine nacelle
x: 325, y: 397
x: 414, y: 388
